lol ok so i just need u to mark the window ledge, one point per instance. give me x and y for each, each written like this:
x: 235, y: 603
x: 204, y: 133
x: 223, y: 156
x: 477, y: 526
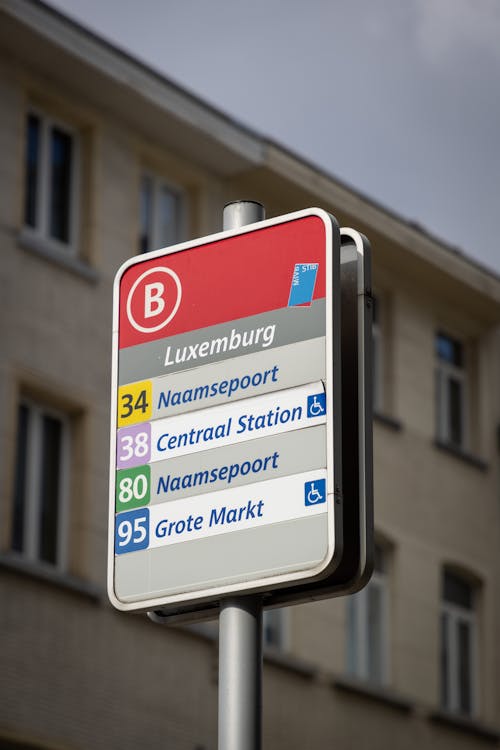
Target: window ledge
x: 278, y: 658
x: 464, y: 724
x: 387, y: 421
x: 44, y: 249
x: 271, y: 654
x: 44, y: 573
x: 373, y: 692
x: 469, y: 458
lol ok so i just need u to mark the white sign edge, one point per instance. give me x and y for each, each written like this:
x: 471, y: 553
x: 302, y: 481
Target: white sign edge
x: 258, y: 584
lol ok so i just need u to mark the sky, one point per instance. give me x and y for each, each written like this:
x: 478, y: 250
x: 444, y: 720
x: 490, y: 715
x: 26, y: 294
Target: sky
x: 400, y: 99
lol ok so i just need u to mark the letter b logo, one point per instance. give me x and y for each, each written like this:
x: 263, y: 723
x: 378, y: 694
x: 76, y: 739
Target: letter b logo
x: 154, y: 299
x: 154, y: 304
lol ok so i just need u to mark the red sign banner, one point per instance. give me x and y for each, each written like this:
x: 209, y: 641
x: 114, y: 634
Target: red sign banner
x: 223, y: 280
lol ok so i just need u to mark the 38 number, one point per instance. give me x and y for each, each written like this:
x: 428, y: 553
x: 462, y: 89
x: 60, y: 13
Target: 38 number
x: 134, y: 446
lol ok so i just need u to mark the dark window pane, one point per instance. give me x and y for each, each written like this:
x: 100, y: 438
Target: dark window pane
x: 444, y: 661
x: 168, y: 214
x: 146, y: 215
x: 32, y: 167
x: 455, y: 411
x: 272, y: 628
x: 449, y: 349
x: 457, y: 591
x: 374, y: 598
x: 464, y: 668
x: 352, y: 627
x: 20, y: 479
x: 379, y: 559
x: 60, y: 184
x: 50, y: 488
x: 438, y: 405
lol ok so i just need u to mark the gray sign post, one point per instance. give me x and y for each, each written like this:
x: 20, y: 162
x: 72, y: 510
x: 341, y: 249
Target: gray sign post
x: 226, y: 433
x: 240, y: 621
x: 228, y: 488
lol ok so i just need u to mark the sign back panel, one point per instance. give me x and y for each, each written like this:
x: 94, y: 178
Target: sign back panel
x: 225, y: 415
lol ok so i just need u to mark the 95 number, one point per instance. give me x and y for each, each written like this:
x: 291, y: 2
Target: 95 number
x: 134, y: 403
x: 132, y: 531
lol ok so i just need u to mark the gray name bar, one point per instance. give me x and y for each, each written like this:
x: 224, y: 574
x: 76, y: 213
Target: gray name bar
x: 222, y: 342
x: 243, y: 463
x: 240, y: 377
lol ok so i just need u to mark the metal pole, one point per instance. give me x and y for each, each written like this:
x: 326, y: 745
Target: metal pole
x: 240, y: 622
x: 239, y: 213
x: 240, y: 674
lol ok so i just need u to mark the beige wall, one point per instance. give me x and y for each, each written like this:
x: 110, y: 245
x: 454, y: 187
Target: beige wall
x: 76, y: 674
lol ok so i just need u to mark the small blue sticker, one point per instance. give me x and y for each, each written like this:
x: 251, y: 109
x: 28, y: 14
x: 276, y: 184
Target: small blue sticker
x: 303, y: 281
x: 315, y: 492
x: 316, y: 405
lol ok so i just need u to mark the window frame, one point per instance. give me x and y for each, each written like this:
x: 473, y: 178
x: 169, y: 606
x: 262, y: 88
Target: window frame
x: 43, y: 189
x: 358, y: 640
x: 32, y: 497
x: 445, y: 372
x: 281, y: 626
x: 449, y: 680
x: 158, y: 182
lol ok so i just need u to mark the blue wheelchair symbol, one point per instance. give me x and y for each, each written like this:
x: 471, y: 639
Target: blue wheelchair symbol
x: 316, y: 405
x: 315, y: 492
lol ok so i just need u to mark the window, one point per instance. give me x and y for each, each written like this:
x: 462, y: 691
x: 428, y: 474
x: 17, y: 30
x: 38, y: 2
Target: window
x: 51, y: 158
x: 38, y: 517
x: 273, y: 625
x: 458, y: 645
x: 161, y: 214
x: 367, y: 626
x: 450, y: 391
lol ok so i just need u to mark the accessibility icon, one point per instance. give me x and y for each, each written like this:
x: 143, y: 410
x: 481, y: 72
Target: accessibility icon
x: 316, y: 405
x: 315, y: 492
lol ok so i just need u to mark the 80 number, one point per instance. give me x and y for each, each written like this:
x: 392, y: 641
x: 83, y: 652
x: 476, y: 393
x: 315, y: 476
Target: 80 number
x: 133, y: 488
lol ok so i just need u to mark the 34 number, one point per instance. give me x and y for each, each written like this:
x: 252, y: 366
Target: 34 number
x: 129, y: 405
x: 135, y: 403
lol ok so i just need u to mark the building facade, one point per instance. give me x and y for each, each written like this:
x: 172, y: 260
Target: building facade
x: 101, y: 159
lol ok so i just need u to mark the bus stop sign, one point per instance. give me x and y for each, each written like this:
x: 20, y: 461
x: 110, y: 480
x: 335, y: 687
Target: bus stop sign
x: 226, y: 416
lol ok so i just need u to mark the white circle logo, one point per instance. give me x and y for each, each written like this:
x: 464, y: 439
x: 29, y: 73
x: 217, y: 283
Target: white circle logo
x: 154, y: 299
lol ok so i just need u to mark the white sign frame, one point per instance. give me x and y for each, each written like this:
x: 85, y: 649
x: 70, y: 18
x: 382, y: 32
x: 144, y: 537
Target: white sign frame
x: 201, y: 599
